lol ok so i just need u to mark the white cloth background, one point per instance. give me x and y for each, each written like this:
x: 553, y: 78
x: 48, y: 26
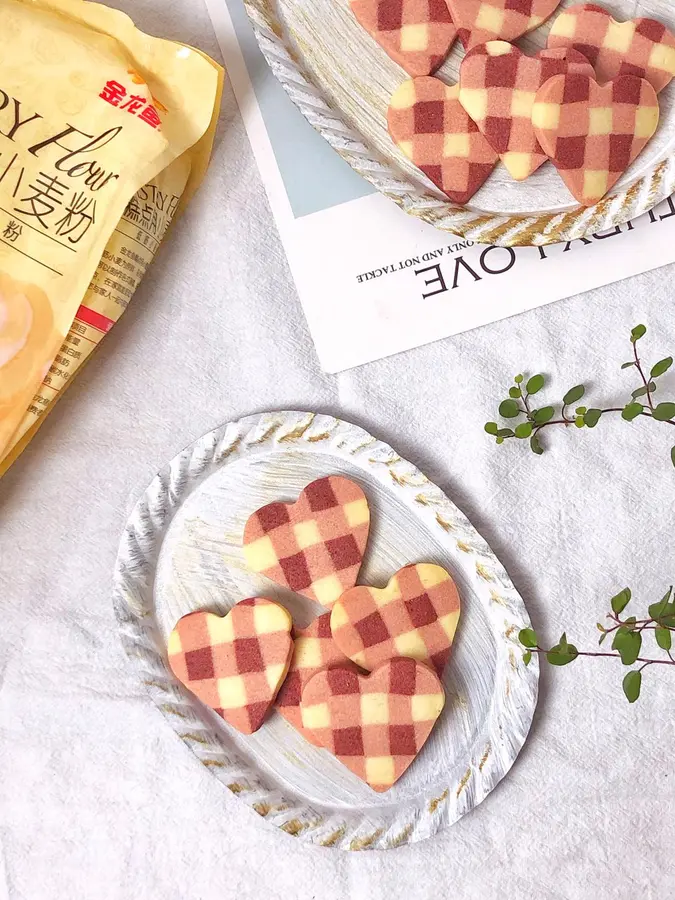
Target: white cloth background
x: 98, y: 797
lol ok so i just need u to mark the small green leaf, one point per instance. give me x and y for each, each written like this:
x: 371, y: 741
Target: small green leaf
x: 664, y: 411
x: 574, y: 395
x: 562, y: 654
x: 664, y: 637
x: 527, y: 657
x: 579, y: 422
x: 627, y: 644
x: 627, y: 365
x: 518, y: 379
x: 545, y: 414
x: 592, y: 417
x: 528, y: 637
x: 643, y: 391
x: 638, y: 332
x: 621, y: 600
x: 672, y: 456
x: 632, y: 411
x: 580, y: 410
x: 630, y: 623
x: 535, y: 384
x: 600, y: 626
x: 515, y: 393
x: 500, y: 440
x: 509, y: 409
x: 491, y: 427
x: 524, y: 430
x: 535, y: 446
x: 661, y: 367
x: 505, y: 432
x: 656, y: 610
x: 602, y: 637
x: 631, y: 685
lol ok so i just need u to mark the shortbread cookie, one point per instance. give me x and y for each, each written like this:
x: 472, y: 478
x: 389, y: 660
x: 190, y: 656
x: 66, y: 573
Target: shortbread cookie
x: 478, y: 21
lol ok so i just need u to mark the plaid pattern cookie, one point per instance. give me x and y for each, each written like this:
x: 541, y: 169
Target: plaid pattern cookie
x: 375, y: 724
x: 593, y: 133
x: 430, y: 126
x: 235, y: 663
x: 416, y: 34
x: 497, y: 87
x: 315, y: 651
x: 478, y: 21
x: 314, y: 546
x: 415, y: 615
x: 642, y: 47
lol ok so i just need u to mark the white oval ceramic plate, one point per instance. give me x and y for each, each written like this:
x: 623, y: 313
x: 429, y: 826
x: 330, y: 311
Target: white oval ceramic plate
x: 342, y: 81
x: 181, y: 551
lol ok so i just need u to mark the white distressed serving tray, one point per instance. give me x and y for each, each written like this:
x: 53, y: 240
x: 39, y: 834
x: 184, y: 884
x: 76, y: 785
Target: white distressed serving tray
x: 341, y: 80
x: 181, y: 551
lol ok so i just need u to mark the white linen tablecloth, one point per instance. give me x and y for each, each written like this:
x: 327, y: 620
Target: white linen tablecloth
x: 98, y: 797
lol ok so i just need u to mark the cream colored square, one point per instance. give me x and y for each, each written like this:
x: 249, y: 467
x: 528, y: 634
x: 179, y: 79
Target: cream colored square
x: 390, y: 594
x: 449, y: 623
x: 317, y: 716
x: 498, y: 48
x: 274, y: 675
x: 404, y: 96
x: 456, y: 146
x: 519, y: 165
x: 546, y: 115
x: 426, y: 707
x: 646, y: 121
x: 357, y: 512
x: 414, y: 38
x: 565, y: 26
x: 522, y: 103
x: 411, y: 644
x: 475, y: 102
x: 662, y: 57
x: 338, y: 617
x: 619, y: 36
x: 430, y: 575
x: 595, y: 184
x: 307, y: 653
x: 328, y: 590
x: 174, y: 645
x: 407, y: 148
x: 260, y: 554
x: 380, y: 770
x: 375, y: 709
x: 269, y: 617
x: 232, y: 692
x: 490, y: 18
x: 220, y: 630
x: 307, y: 534
x: 600, y: 120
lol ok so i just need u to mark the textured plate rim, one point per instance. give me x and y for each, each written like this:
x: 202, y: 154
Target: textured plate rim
x: 133, y: 589
x: 480, y: 227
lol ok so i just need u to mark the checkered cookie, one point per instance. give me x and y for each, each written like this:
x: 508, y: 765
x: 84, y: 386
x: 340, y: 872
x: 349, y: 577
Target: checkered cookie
x: 478, y: 21
x: 416, y: 34
x: 594, y: 133
x: 376, y: 724
x: 416, y: 615
x: 314, y: 546
x: 642, y: 47
x: 234, y: 664
x: 497, y: 87
x: 429, y: 125
x: 315, y: 651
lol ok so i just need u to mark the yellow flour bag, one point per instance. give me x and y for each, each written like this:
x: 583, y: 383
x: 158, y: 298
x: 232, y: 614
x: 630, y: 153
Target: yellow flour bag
x: 105, y: 132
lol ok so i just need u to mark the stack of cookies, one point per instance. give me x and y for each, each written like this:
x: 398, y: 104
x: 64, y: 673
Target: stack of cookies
x: 363, y: 680
x: 588, y: 102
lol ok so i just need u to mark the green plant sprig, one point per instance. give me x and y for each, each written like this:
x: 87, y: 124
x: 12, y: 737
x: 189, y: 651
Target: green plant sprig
x: 537, y: 419
x: 627, y: 641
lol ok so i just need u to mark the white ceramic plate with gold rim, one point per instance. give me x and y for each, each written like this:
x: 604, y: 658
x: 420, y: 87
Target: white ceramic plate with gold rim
x: 181, y: 551
x: 342, y: 81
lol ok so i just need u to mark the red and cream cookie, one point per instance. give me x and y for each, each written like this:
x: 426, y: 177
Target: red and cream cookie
x: 592, y: 132
x: 415, y: 615
x: 429, y: 125
x: 642, y: 47
x: 314, y: 546
x: 478, y: 21
x: 315, y: 651
x: 235, y: 663
x: 497, y: 87
x: 416, y: 34
x: 376, y: 724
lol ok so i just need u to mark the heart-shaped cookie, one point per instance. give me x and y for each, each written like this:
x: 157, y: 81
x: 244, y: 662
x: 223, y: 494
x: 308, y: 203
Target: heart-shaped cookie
x: 375, y: 724
x: 315, y: 651
x: 497, y: 87
x: 415, y: 615
x: 642, y: 47
x: 314, y: 546
x: 430, y: 126
x: 593, y: 133
x: 416, y: 34
x: 235, y: 663
x: 478, y: 21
